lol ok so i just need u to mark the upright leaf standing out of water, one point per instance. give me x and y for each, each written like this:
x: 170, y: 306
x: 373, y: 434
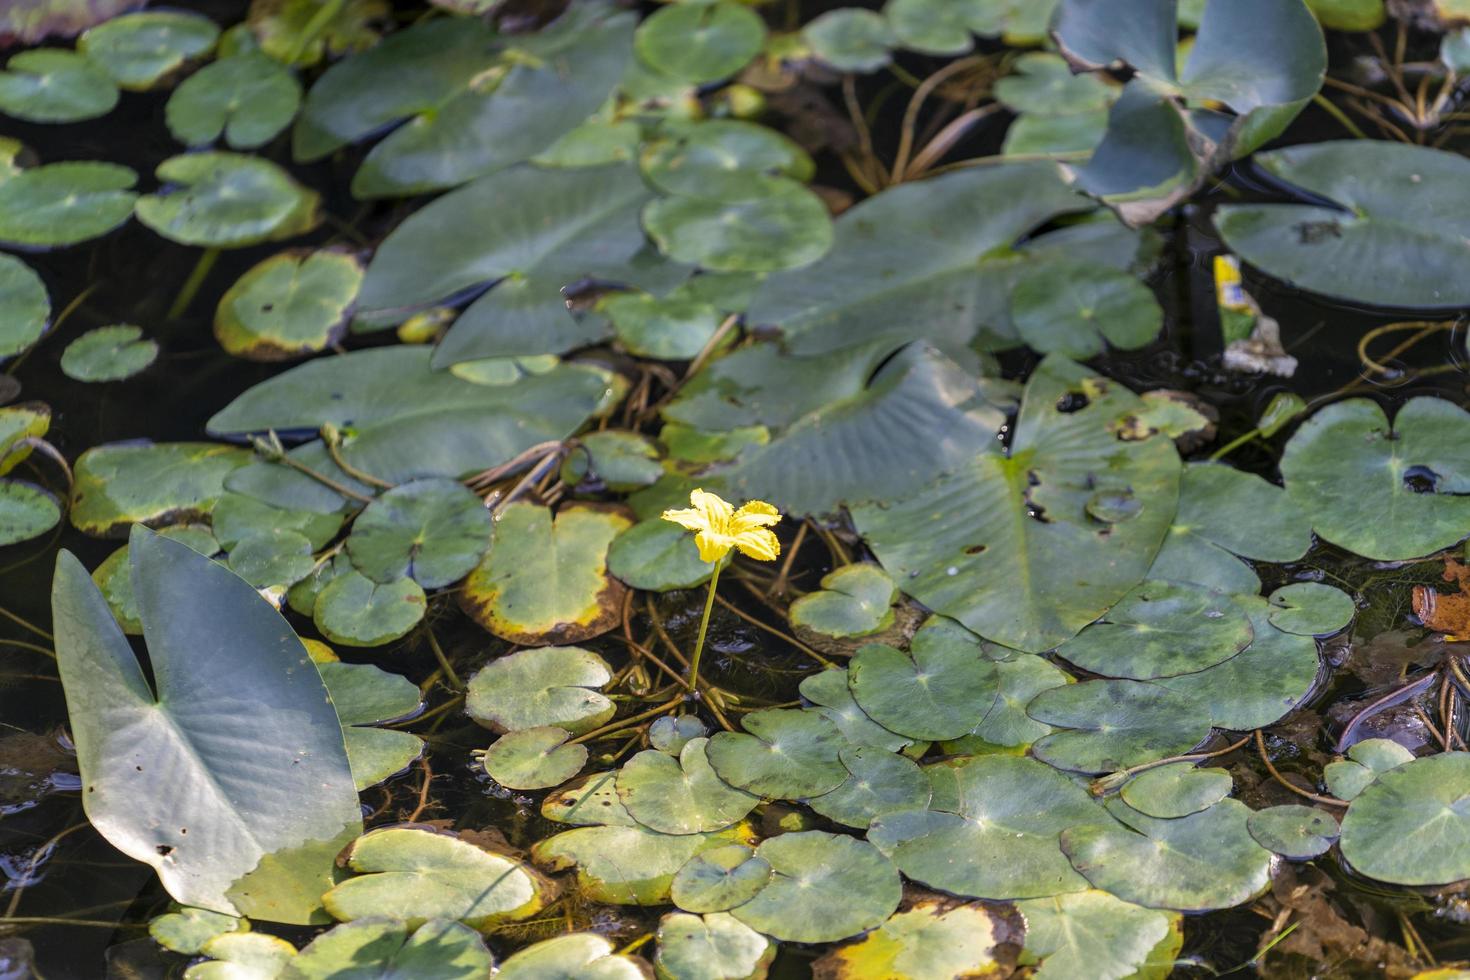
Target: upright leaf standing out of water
x: 232, y: 780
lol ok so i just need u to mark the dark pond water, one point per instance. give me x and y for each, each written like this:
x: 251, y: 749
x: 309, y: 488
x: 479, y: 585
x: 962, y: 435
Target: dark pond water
x: 76, y: 898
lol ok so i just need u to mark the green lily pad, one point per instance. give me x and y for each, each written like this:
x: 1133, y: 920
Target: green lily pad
x: 415, y: 875
x: 628, y: 865
x: 582, y: 954
x: 1410, y: 825
x: 666, y: 328
x: 724, y: 160
x: 1070, y: 307
x: 612, y: 459
x: 1353, y: 236
x: 432, y: 531
x: 365, y: 696
x: 1019, y: 681
x: 496, y: 370
x: 992, y: 829
x: 1207, y: 860
x: 878, y: 782
x: 940, y: 689
x: 545, y: 686
x: 710, y: 947
x: 683, y: 795
x: 355, y: 611
x: 851, y: 39
x: 52, y: 85
x: 672, y: 732
x: 829, y: 691
x: 1311, y: 608
x: 1042, y: 82
x: 24, y: 306
x: 1386, y: 492
x: 786, y: 227
x: 720, y: 879
x: 108, y: 354
x: 657, y: 555
x: 246, y: 98
x: 1347, y: 778
x: 1295, y: 832
x: 534, y: 758
x: 1036, y: 134
x: 1091, y: 933
x: 700, y: 42
x: 227, y: 200
x: 149, y: 483
x: 290, y: 304
x: 1116, y: 724
x: 187, y: 929
x: 1176, y: 790
x: 1007, y: 545
x: 854, y: 600
x: 114, y: 575
x: 932, y: 938
x: 237, y: 517
x: 243, y: 956
x: 593, y: 143
x: 508, y: 594
x: 591, y: 801
x: 64, y: 203
x: 823, y: 887
x: 783, y: 753
x: 137, y: 50
x: 28, y: 420
x: 1161, y: 629
x: 279, y: 559
x: 26, y: 511
x: 383, y: 947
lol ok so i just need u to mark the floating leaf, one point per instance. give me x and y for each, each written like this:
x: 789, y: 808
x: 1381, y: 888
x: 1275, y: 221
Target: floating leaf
x: 700, y: 42
x: 1019, y: 680
x: 26, y: 511
x: 432, y: 531
x: 108, y: 354
x: 787, y: 227
x: 534, y: 758
x: 933, y: 938
x: 724, y: 160
x: 612, y: 459
x: 64, y: 203
x: 415, y: 875
x: 1176, y: 790
x: 1293, y: 831
x: 1386, y: 492
x: 52, y: 85
x: 671, y: 733
x: 1007, y: 544
x: 546, y: 686
x: 130, y: 483
x: 243, y: 956
x: 139, y: 49
x: 355, y: 611
x: 508, y: 594
x: 227, y: 200
x: 187, y: 929
x: 365, y: 696
x: 1116, y: 724
x: 782, y: 753
x: 1410, y: 826
x: 114, y: 576
x: 24, y: 305
x: 1311, y: 608
x: 246, y: 98
x: 582, y: 954
x: 940, y: 689
x: 1207, y: 860
x: 830, y: 692
x: 237, y: 517
x: 680, y: 796
x: 293, y: 303
x: 851, y: 39
x: 1070, y: 307
x: 591, y: 801
x: 28, y: 420
x: 279, y: 559
x: 628, y: 865
x: 878, y: 782
x: 438, y: 950
x: 710, y: 947
x: 1091, y: 934
x: 232, y: 781
x: 1161, y: 629
x: 823, y: 887
x: 854, y: 600
x: 720, y: 879
x: 657, y: 555
x: 667, y: 328
x: 1346, y: 778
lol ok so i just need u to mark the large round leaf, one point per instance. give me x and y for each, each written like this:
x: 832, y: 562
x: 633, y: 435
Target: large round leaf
x: 710, y: 947
x: 1411, y: 826
x: 782, y: 753
x: 374, y: 948
x: 683, y: 795
x: 433, y: 531
x: 940, y: 689
x: 1293, y: 831
x: 787, y: 227
x: 851, y: 39
x: 149, y: 483
x: 1071, y: 306
x: 290, y: 304
x: 64, y: 203
x: 1115, y: 724
x: 534, y: 758
x: 356, y: 611
x: 727, y: 160
x: 628, y: 865
x: 581, y: 954
x: 1161, y: 629
x: 227, y: 200
x: 700, y: 42
x: 829, y: 691
x: 545, y: 686
x: 878, y: 782
x: 933, y: 938
x: 720, y: 879
x: 139, y: 49
x: 823, y: 887
x: 854, y: 600
x: 1091, y: 934
x: 51, y: 85
x: 24, y: 306
x: 248, y: 98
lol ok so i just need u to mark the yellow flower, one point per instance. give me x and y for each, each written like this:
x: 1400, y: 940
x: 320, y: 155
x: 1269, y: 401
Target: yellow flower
x: 721, y: 527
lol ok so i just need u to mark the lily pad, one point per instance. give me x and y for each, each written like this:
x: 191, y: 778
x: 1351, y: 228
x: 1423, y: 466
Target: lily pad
x: 700, y: 42
x: 114, y: 576
x: 591, y: 801
x: 237, y: 517
x: 108, y: 354
x: 26, y: 511
x: 933, y: 938
x: 1293, y: 831
x: 281, y: 28
x: 534, y: 758
x: 64, y: 203
x: 130, y: 483
x: 823, y: 887
x: 851, y: 39
x: 187, y: 929
x: 227, y: 200
x: 878, y: 782
x: 720, y: 879
x: 52, y: 85
x: 710, y: 947
x: 854, y: 600
x: 355, y: 611
x: 940, y: 689
x: 1070, y: 307
x: 415, y: 875
x: 667, y: 328
x: 829, y: 691
x: 508, y: 594
x: 432, y: 531
x: 724, y: 160
x: 246, y: 98
x: 1207, y: 860
x: 365, y: 696
x: 24, y: 306
x: 1176, y: 790
x: 1007, y: 544
x: 1347, y: 778
x: 786, y: 227
x: 680, y: 796
x: 1019, y: 680
x: 992, y: 830
x: 383, y: 947
x: 672, y: 732
x: 28, y: 420
x: 1311, y: 608
x: 1410, y: 826
x: 783, y: 753
x: 546, y: 686
x: 279, y: 559
x: 628, y: 865
x: 1115, y: 724
x: 1091, y: 934
x: 657, y: 555
x: 1350, y: 236
x: 290, y: 304
x: 612, y: 459
x: 1162, y: 629
x: 582, y: 954
x: 232, y: 780
x: 1387, y: 492
x: 243, y: 956
x: 137, y: 50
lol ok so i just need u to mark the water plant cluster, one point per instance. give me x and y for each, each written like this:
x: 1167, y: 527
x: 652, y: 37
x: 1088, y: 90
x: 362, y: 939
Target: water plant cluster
x: 689, y: 513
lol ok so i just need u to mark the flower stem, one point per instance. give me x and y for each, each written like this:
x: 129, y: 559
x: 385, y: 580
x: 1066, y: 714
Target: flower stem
x: 709, y: 605
x: 192, y: 284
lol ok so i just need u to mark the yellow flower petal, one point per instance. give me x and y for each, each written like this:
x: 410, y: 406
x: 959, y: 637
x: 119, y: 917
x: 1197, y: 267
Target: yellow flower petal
x: 755, y: 514
x: 716, y: 511
x: 712, y: 547
x: 758, y: 543
x: 690, y: 520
